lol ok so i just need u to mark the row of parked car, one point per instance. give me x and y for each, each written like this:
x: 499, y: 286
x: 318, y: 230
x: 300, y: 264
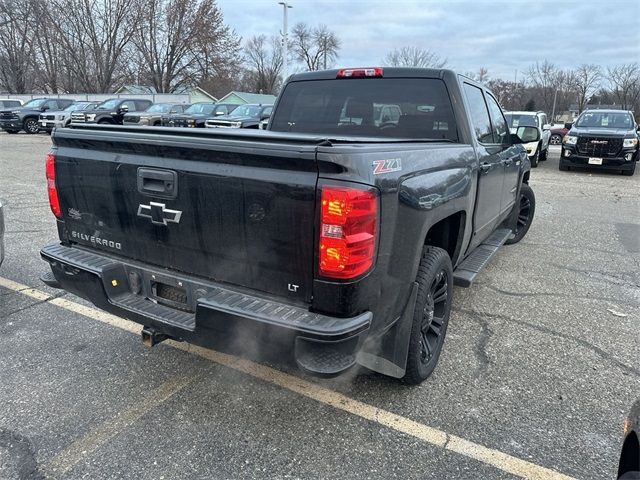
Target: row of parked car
x: 45, y: 114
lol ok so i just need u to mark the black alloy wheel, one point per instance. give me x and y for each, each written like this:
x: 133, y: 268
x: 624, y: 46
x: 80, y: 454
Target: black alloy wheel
x: 526, y: 210
x: 431, y: 314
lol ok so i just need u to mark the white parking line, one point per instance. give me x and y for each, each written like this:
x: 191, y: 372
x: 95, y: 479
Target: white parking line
x: 430, y: 435
x: 95, y: 438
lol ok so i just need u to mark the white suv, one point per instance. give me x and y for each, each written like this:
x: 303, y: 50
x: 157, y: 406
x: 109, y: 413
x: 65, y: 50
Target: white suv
x: 537, y: 151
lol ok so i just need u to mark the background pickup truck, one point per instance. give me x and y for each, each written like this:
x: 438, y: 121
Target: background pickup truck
x: 338, y: 235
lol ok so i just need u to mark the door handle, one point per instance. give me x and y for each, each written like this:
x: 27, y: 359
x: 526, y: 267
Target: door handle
x: 485, y: 167
x: 158, y: 183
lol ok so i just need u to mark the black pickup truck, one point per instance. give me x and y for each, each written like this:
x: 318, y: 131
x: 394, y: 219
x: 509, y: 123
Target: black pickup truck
x: 602, y: 139
x: 333, y: 233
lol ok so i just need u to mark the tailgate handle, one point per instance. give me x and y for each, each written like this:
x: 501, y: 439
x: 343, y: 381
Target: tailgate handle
x: 158, y: 183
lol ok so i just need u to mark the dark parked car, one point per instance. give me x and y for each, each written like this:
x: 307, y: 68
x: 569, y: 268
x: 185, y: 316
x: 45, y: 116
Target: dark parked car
x: 245, y: 116
x: 192, y: 117
x: 629, y: 465
x: 602, y: 139
x: 111, y: 111
x: 26, y: 117
x: 342, y: 238
x: 50, y: 120
x: 153, y: 115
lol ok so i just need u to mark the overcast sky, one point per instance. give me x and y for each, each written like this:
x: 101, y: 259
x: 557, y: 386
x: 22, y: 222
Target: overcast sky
x: 500, y: 35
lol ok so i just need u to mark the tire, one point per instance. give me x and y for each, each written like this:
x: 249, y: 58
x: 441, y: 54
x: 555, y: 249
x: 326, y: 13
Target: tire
x: 534, y: 159
x: 12, y: 131
x: 555, y: 139
x: 104, y: 122
x: 526, y: 210
x: 629, y: 173
x: 543, y: 154
x: 31, y: 126
x: 562, y: 167
x: 431, y: 315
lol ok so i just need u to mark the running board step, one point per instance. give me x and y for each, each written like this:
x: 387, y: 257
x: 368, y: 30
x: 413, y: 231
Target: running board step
x: 471, y: 266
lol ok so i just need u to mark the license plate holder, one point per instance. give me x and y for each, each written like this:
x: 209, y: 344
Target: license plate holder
x: 595, y: 161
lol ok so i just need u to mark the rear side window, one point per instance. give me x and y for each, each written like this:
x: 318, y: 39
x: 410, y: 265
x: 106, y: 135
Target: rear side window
x: 412, y: 108
x: 479, y: 114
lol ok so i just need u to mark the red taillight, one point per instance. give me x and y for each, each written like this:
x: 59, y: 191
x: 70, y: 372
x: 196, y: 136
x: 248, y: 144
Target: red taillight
x: 50, y: 169
x: 348, y: 230
x: 359, y: 72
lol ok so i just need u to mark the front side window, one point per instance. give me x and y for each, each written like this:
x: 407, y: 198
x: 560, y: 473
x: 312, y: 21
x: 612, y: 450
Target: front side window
x: 500, y: 128
x: 479, y: 114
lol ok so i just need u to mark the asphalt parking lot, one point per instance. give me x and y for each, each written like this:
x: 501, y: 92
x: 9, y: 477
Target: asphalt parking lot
x: 540, y: 366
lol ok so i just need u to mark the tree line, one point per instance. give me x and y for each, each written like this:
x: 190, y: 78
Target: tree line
x: 95, y: 46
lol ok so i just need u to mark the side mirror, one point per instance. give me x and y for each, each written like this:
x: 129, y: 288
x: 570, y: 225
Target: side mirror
x: 265, y: 117
x: 44, y: 108
x: 525, y: 135
x: 546, y: 127
x: 123, y: 109
x: 568, y: 125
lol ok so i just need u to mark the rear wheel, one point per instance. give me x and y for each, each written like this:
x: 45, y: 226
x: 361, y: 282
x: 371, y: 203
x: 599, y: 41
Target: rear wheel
x: 431, y: 314
x: 526, y: 209
x: 555, y: 139
x: 104, y: 122
x: 12, y: 131
x: 31, y: 126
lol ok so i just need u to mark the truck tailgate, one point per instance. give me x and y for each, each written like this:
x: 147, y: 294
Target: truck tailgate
x: 233, y: 210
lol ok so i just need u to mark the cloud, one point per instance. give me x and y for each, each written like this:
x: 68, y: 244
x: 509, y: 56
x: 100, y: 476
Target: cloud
x: 501, y: 36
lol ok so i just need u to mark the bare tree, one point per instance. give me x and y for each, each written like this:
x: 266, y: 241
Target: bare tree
x: 585, y: 81
x: 414, y: 57
x: 173, y: 37
x: 625, y: 83
x: 546, y: 79
x: 316, y: 47
x: 264, y: 61
x: 510, y: 95
x: 16, y: 45
x: 95, y: 36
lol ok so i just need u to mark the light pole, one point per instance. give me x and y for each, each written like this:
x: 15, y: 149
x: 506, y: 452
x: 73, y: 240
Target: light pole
x: 553, y: 111
x: 285, y: 36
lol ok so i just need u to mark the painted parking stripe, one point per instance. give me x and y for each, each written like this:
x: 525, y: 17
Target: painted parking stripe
x: 399, y: 423
x: 97, y: 437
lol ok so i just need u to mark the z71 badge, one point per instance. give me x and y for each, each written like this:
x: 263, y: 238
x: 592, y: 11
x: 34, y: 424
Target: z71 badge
x: 386, y: 166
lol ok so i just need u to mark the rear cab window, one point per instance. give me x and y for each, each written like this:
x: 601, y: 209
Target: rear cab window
x: 413, y: 108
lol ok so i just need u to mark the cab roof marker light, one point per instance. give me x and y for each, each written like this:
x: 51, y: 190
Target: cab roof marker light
x: 359, y: 72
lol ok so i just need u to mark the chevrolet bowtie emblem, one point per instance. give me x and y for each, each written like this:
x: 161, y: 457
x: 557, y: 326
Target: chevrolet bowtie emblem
x: 158, y: 214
